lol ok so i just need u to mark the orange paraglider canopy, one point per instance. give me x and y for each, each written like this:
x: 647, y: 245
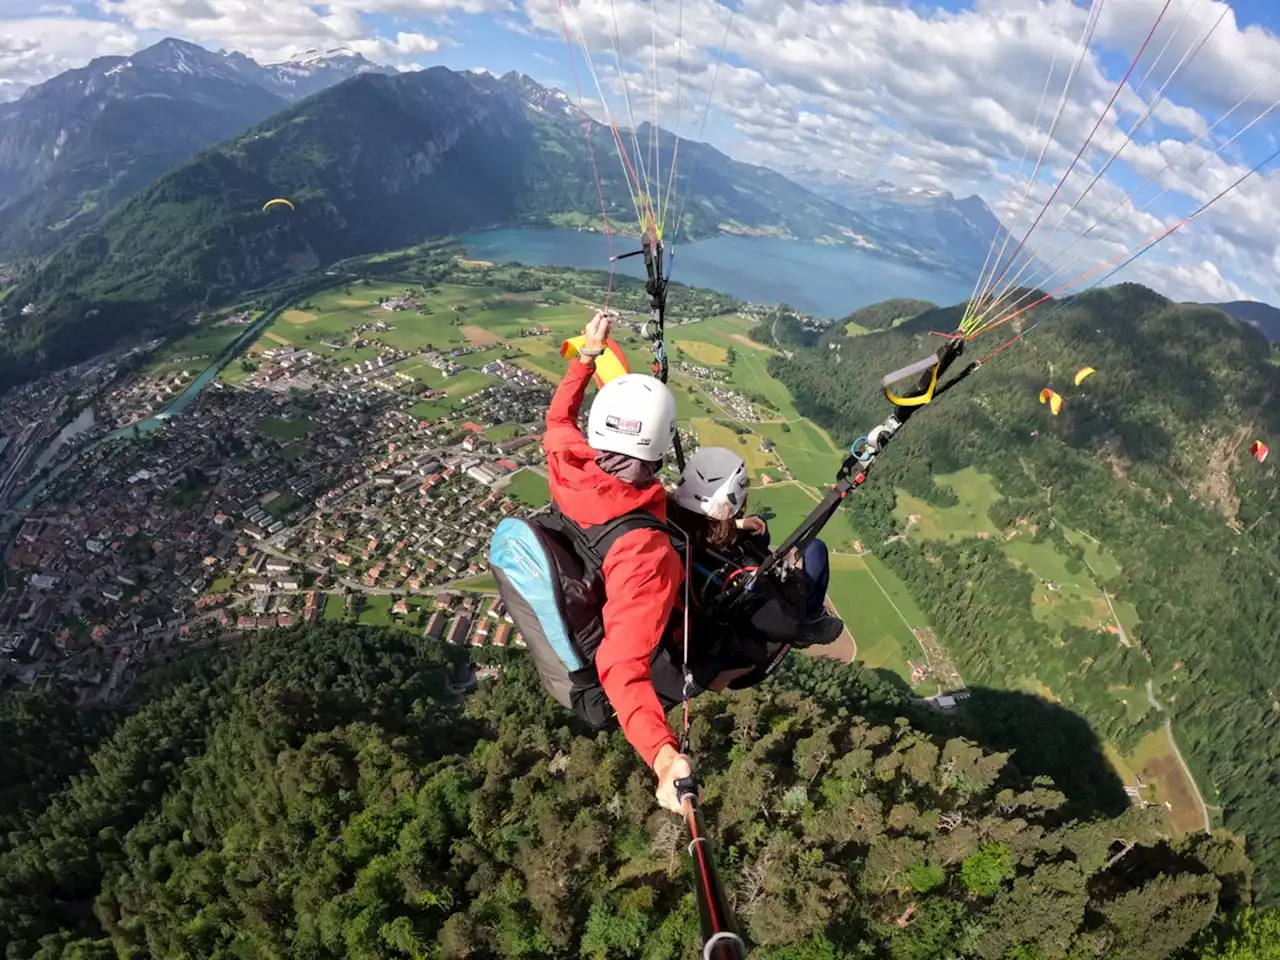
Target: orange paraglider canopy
x: 1052, y: 399
x: 1258, y: 450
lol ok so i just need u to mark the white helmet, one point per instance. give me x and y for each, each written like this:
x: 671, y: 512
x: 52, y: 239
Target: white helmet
x: 714, y: 483
x: 633, y: 414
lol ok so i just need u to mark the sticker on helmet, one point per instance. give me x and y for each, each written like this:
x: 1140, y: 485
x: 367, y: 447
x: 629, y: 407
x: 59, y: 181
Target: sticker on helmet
x: 631, y: 428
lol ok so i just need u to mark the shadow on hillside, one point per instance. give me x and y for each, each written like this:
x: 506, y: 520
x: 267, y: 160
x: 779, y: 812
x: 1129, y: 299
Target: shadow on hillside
x: 1043, y: 738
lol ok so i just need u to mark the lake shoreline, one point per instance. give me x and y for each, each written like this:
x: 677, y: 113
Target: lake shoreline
x: 824, y: 280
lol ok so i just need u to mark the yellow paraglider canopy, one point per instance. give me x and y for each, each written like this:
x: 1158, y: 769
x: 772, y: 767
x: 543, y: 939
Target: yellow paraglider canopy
x: 612, y: 363
x: 1084, y: 372
x: 1051, y: 398
x: 272, y: 203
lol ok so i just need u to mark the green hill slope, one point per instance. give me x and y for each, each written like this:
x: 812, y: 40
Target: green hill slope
x: 1148, y: 458
x: 321, y: 793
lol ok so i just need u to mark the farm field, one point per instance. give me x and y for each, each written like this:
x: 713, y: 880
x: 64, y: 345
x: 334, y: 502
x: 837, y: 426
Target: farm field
x: 1154, y: 760
x: 497, y: 324
x: 529, y: 488
x: 195, y: 351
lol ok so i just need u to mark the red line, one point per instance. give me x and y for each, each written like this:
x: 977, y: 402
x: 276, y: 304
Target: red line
x: 1084, y: 146
x: 591, y: 152
x: 1156, y: 238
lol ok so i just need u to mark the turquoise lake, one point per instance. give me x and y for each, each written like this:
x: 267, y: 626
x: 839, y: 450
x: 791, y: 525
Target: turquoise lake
x: 821, y: 280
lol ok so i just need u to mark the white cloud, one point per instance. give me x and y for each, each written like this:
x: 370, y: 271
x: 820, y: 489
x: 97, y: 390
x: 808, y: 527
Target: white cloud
x: 35, y: 48
x: 281, y: 28
x: 933, y: 97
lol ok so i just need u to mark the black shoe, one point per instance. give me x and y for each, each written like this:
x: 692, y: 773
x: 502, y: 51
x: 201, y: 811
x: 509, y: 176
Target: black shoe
x: 819, y: 632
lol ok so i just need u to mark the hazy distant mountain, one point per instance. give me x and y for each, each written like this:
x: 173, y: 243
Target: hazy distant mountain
x: 1261, y: 315
x: 943, y: 229
x: 74, y: 146
x: 307, y: 73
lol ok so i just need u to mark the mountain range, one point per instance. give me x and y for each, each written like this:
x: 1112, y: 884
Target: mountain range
x: 74, y: 146
x: 376, y: 163
x: 133, y: 187
x: 943, y: 229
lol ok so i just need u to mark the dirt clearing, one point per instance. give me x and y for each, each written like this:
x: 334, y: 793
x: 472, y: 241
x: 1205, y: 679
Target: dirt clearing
x: 298, y: 316
x: 479, y: 336
x: 747, y: 341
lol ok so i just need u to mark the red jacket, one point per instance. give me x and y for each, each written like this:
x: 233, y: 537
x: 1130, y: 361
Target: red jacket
x: 642, y: 571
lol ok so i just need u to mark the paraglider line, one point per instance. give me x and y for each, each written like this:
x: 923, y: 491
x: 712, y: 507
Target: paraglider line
x: 1138, y: 252
x: 591, y: 152
x: 1187, y: 57
x: 1090, y: 25
x: 1088, y: 140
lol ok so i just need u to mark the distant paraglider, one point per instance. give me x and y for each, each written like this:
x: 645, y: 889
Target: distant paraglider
x: 1052, y: 399
x: 280, y: 200
x: 1084, y: 372
x: 1258, y: 450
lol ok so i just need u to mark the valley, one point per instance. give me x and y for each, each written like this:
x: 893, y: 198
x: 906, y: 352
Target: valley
x: 442, y: 343
x: 259, y: 695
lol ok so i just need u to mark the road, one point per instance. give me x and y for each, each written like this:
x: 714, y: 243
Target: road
x: 355, y: 585
x: 1151, y: 698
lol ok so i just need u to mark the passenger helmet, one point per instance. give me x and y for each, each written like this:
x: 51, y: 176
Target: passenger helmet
x: 633, y: 414
x: 714, y: 483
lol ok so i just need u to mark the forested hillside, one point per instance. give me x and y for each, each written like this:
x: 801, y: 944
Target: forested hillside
x: 322, y: 793
x: 1149, y: 456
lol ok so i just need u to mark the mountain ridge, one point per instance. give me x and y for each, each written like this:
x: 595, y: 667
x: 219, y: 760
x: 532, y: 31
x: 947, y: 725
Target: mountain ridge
x: 1256, y: 313
x: 74, y: 146
x: 941, y: 225
x: 383, y: 162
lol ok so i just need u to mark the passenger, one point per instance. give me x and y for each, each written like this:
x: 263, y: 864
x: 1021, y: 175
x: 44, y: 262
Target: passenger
x: 595, y: 479
x: 709, y: 505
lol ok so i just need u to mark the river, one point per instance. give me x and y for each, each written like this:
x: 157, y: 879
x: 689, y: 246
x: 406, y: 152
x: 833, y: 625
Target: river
x: 822, y: 280
x: 83, y: 421
x: 146, y: 425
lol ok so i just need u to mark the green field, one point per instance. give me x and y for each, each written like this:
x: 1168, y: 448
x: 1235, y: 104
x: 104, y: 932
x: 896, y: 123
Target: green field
x: 968, y: 518
x: 529, y: 488
x: 789, y: 505
x: 334, y: 607
x: 1104, y: 566
x: 503, y: 431
x: 1043, y: 559
x: 439, y: 321
x: 376, y: 611
x: 196, y: 350
x: 482, y: 583
x: 285, y: 429
x: 283, y: 505
x: 430, y: 410
x: 867, y: 600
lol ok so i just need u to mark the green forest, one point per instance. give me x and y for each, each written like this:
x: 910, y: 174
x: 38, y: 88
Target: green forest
x: 1150, y: 457
x: 327, y: 792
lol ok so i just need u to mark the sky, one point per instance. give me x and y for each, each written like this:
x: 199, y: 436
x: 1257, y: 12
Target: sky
x: 968, y: 96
